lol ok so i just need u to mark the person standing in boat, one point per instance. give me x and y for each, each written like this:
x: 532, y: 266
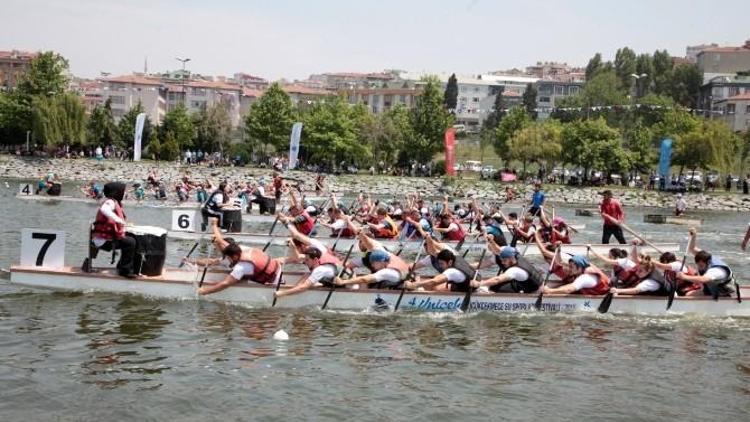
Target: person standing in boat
x: 589, y: 280
x: 613, y: 215
x: 109, y: 230
x: 680, y: 206
x: 246, y: 263
x: 713, y: 272
x: 537, y: 200
x: 456, y: 274
x: 213, y: 206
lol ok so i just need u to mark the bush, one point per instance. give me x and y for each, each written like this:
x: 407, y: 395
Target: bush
x: 239, y: 152
x: 439, y: 168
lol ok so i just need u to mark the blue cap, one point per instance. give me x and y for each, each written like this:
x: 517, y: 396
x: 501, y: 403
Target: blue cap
x: 580, y: 261
x: 508, y: 252
x: 379, y: 255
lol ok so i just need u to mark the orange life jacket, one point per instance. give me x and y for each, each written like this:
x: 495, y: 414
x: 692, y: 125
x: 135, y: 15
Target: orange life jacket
x: 264, y: 267
x: 389, y: 230
x: 306, y: 227
x: 602, y: 285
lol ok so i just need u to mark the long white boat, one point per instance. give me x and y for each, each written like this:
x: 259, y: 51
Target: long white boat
x: 149, y: 202
x: 181, y: 285
x: 410, y: 245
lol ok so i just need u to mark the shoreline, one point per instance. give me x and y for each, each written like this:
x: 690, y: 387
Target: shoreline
x: 84, y: 170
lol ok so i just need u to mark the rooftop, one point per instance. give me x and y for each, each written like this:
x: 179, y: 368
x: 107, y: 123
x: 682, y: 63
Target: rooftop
x: 303, y: 90
x: 741, y: 97
x: 15, y: 54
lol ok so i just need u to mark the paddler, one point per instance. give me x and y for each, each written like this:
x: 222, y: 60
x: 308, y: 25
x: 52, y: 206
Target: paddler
x: 713, y: 273
x: 649, y: 280
x: 249, y: 264
x: 300, y: 218
x: 613, y: 216
x: 455, y: 274
x: 109, y: 230
x: 450, y: 228
x: 589, y: 280
x: 388, y: 271
x: 382, y: 226
x: 518, y: 276
x: 322, y: 263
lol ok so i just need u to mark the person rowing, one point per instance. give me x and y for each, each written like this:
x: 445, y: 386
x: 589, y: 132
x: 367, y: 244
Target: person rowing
x: 518, y: 276
x: 109, y: 231
x: 456, y: 274
x: 493, y: 227
x: 388, y: 271
x: 338, y: 224
x: 413, y: 221
x: 450, y: 228
x: 623, y: 266
x: 323, y: 264
x: 432, y: 248
x: 649, y: 280
x: 300, y: 218
x: 382, y: 226
x: 671, y: 266
x: 247, y: 264
x: 713, y: 273
x: 589, y: 280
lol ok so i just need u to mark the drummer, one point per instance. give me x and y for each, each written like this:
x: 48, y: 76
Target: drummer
x: 213, y: 206
x: 247, y: 263
x: 109, y: 230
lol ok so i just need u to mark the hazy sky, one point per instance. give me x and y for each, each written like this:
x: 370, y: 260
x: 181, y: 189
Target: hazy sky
x: 293, y: 39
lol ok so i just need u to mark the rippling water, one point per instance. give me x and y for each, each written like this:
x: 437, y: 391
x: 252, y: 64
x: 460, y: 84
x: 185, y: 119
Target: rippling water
x: 69, y: 356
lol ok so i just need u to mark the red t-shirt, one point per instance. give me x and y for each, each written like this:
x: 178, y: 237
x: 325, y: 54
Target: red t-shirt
x: 612, y: 208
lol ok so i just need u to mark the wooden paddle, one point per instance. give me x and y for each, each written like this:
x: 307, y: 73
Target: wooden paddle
x: 182, y: 264
x: 538, y: 303
x: 333, y: 284
x: 673, y: 289
x: 635, y: 234
x: 408, y: 276
x: 278, y: 284
x: 607, y: 301
x: 467, y: 297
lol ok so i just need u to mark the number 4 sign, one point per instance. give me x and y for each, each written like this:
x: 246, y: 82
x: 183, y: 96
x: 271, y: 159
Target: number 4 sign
x: 25, y: 189
x: 183, y: 221
x: 42, y: 248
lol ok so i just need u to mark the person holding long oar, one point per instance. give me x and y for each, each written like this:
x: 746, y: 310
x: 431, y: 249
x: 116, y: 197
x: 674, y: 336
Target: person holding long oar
x: 613, y: 215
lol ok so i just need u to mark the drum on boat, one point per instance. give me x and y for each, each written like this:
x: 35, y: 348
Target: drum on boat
x: 55, y: 189
x: 267, y: 205
x: 232, y: 219
x: 150, y: 249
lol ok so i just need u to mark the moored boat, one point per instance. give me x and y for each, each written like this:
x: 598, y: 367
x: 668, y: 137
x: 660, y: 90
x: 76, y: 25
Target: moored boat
x: 671, y: 219
x: 181, y: 285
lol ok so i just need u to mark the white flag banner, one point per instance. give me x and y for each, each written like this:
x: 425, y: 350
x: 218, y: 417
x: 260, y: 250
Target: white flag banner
x: 294, y: 144
x: 139, y: 122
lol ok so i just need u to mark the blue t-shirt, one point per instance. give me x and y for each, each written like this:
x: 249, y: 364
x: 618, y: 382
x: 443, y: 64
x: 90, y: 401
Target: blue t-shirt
x: 537, y: 199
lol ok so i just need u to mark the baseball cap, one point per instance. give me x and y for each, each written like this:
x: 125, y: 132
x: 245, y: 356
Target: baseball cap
x: 379, y: 255
x: 580, y: 261
x: 508, y: 252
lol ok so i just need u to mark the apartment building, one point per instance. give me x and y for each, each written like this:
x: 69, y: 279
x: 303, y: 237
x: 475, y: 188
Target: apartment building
x: 13, y: 64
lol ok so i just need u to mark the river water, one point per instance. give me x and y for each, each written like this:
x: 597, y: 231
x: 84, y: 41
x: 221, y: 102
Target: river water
x: 72, y: 356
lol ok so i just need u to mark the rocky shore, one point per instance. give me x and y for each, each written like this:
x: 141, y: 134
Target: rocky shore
x: 82, y: 170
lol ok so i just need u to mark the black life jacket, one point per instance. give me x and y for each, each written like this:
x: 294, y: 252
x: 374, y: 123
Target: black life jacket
x: 366, y: 261
x: 531, y: 284
x: 328, y: 281
x: 498, y: 236
x: 659, y: 278
x: 467, y: 270
x: 211, y: 205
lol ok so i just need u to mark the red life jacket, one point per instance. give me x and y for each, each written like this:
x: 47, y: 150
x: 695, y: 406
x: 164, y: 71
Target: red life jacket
x: 106, y: 228
x: 389, y: 230
x: 329, y: 258
x: 264, y: 267
x: 307, y: 226
x: 684, y: 286
x: 564, y: 239
x: 559, y: 271
x: 455, y: 235
x: 345, y: 232
x: 602, y: 285
x: 626, y: 278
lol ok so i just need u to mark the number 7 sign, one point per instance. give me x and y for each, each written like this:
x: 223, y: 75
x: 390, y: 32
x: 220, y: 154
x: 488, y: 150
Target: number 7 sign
x: 42, y: 248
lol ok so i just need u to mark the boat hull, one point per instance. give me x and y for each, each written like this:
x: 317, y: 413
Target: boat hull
x: 180, y: 285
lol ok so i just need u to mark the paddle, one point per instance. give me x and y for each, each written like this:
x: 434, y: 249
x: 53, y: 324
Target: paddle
x: 278, y: 284
x: 408, y: 276
x: 673, y: 289
x: 635, y: 234
x: 467, y: 296
x: 333, y: 249
x: 203, y: 276
x: 333, y: 284
x: 606, y: 302
x: 182, y: 264
x: 538, y: 303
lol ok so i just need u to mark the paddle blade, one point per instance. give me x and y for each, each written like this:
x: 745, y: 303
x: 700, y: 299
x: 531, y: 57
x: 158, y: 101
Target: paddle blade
x: 538, y: 303
x: 606, y: 302
x: 672, y: 292
x: 737, y: 289
x: 266, y: 246
x: 467, y: 300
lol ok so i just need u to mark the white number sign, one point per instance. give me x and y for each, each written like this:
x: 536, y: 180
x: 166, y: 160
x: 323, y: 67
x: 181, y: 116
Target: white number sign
x: 25, y: 189
x: 42, y: 248
x: 183, y: 221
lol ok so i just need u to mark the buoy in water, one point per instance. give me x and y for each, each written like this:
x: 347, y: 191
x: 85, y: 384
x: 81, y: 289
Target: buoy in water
x: 281, y: 335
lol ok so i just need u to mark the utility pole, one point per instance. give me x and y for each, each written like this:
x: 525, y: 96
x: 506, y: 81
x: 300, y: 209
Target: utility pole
x: 184, y: 91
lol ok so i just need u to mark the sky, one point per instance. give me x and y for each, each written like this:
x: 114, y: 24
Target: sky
x: 293, y: 39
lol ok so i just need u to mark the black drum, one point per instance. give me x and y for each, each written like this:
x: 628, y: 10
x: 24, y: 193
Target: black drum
x: 232, y: 220
x: 54, y: 190
x: 267, y: 206
x: 150, y: 249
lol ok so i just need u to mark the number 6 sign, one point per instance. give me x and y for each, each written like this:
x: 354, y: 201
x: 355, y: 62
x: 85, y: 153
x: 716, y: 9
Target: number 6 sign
x: 42, y: 248
x: 183, y: 221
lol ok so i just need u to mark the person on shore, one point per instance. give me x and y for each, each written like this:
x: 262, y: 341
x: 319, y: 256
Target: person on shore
x: 713, y: 272
x: 456, y: 274
x: 138, y: 192
x: 537, y: 199
x: 109, y: 230
x: 589, y: 280
x: 518, y: 274
x: 613, y: 216
x: 680, y: 206
x: 249, y: 264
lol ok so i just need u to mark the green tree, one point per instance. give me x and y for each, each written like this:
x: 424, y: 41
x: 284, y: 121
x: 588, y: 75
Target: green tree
x: 710, y: 144
x: 594, y: 66
x: 153, y: 149
x: 170, y: 149
x: 662, y: 64
x: 625, y: 66
x: 496, y: 115
x: 101, y: 128
x: 604, y: 89
x: 330, y: 134
x: 47, y: 75
x: 429, y: 120
x: 270, y: 119
x: 125, y: 131
x: 592, y: 144
x: 639, y: 142
x: 643, y: 66
x: 213, y: 127
x: 15, y: 117
x: 450, y: 97
x: 515, y: 120
x: 59, y: 119
x: 537, y: 142
x: 178, y: 122
x: 529, y: 100
x: 685, y: 84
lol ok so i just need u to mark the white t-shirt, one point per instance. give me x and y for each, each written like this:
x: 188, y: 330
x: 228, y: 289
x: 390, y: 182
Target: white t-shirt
x: 516, y: 273
x: 626, y: 263
x: 585, y: 281
x: 321, y: 272
x: 647, y: 285
x: 454, y: 276
x: 675, y: 266
x: 389, y: 275
x: 218, y: 199
x: 339, y: 224
x: 242, y: 269
x: 716, y: 273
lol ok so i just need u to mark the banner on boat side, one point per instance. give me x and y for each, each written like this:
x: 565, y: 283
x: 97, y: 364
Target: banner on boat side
x: 450, y: 151
x: 42, y: 248
x: 665, y: 161
x: 139, y: 122
x: 294, y: 144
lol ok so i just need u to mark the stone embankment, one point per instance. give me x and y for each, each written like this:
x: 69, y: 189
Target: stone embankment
x: 83, y: 170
